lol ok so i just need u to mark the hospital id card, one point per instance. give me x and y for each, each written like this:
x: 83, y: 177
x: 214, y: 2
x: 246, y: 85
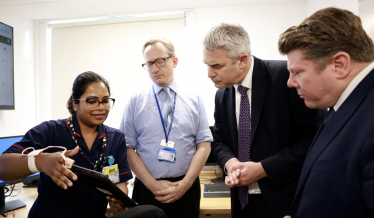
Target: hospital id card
x: 112, y: 172
x: 166, y: 154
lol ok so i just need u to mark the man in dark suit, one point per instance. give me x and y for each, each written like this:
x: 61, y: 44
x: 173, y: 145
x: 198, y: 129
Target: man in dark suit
x: 262, y: 128
x: 330, y: 58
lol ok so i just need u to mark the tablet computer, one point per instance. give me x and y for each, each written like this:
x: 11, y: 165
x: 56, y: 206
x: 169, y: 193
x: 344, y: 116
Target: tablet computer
x: 103, y: 184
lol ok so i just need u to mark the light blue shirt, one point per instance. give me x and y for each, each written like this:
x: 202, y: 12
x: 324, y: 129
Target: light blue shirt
x: 143, y: 129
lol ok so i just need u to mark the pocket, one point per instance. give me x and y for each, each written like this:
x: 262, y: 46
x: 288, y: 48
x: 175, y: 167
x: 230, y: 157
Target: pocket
x: 330, y: 166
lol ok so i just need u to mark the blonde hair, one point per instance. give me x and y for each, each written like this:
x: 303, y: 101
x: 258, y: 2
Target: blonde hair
x: 168, y: 45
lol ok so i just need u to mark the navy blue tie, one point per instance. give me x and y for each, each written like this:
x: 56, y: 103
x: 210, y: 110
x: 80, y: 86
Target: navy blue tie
x: 325, y: 122
x: 328, y: 116
x: 244, y: 138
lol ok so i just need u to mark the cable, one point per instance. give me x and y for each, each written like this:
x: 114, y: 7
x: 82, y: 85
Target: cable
x: 219, y: 176
x: 12, y: 188
x: 7, y: 213
x: 17, y: 189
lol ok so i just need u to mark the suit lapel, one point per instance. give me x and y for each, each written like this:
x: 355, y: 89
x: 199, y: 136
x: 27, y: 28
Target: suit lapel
x: 259, y: 84
x: 346, y: 110
x: 231, y: 109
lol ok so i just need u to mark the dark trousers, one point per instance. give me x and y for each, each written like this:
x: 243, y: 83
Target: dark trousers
x: 187, y: 206
x: 145, y: 211
x: 256, y: 208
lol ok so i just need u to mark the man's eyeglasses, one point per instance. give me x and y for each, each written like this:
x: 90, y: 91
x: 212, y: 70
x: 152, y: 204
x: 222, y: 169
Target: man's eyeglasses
x: 159, y: 63
x: 94, y: 103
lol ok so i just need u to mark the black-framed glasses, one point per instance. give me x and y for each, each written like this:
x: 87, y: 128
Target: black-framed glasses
x: 159, y: 63
x: 94, y: 103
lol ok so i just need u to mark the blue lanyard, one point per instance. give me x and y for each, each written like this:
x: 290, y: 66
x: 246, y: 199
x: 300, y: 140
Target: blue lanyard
x: 162, y: 120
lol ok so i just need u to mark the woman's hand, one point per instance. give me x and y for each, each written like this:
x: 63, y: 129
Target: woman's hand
x: 52, y: 164
x: 115, y: 206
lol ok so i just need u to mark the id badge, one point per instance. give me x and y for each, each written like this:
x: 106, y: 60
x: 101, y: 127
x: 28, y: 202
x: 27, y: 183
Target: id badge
x: 112, y: 172
x: 166, y: 154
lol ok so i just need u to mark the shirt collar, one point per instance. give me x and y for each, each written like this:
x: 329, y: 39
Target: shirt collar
x: 247, y: 82
x: 77, y: 128
x: 173, y: 86
x: 352, y: 85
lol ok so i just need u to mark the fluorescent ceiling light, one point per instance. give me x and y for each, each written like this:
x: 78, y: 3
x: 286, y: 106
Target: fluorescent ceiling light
x: 78, y: 20
x: 115, y: 17
x: 151, y: 14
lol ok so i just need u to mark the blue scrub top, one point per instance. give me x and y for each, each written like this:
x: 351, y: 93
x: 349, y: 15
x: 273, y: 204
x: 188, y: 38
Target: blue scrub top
x: 80, y: 200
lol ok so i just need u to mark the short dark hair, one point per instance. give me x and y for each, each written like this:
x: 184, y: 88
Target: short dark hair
x: 79, y: 87
x: 327, y: 32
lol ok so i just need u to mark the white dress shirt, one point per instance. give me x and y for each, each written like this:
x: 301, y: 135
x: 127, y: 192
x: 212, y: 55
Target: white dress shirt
x: 352, y: 85
x: 247, y: 82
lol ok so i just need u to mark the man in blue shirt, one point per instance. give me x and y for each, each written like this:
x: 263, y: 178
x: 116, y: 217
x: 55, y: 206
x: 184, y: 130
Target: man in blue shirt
x: 169, y: 130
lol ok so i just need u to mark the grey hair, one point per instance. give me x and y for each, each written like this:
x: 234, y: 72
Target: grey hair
x: 232, y: 37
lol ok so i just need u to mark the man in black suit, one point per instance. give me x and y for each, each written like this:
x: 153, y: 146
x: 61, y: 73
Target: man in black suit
x: 331, y: 63
x: 262, y: 128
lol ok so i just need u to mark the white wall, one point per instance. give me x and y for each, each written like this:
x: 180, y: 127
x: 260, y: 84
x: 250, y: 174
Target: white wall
x: 366, y: 10
x: 18, y: 121
x: 264, y: 23
x: 115, y: 52
x: 315, y: 5
x: 43, y: 105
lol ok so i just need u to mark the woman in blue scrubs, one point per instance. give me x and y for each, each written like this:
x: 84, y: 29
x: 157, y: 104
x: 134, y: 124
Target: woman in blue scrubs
x: 61, y: 192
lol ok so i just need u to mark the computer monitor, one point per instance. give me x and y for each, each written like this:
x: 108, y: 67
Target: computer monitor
x: 6, y: 67
x: 5, y: 143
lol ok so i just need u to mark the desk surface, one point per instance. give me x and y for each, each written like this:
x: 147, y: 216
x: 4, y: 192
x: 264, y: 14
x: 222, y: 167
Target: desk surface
x: 212, y: 205
x: 27, y: 196
x: 207, y: 205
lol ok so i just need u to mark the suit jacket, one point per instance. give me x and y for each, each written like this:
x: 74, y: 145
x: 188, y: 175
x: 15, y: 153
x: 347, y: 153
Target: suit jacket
x: 337, y: 179
x: 282, y: 129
